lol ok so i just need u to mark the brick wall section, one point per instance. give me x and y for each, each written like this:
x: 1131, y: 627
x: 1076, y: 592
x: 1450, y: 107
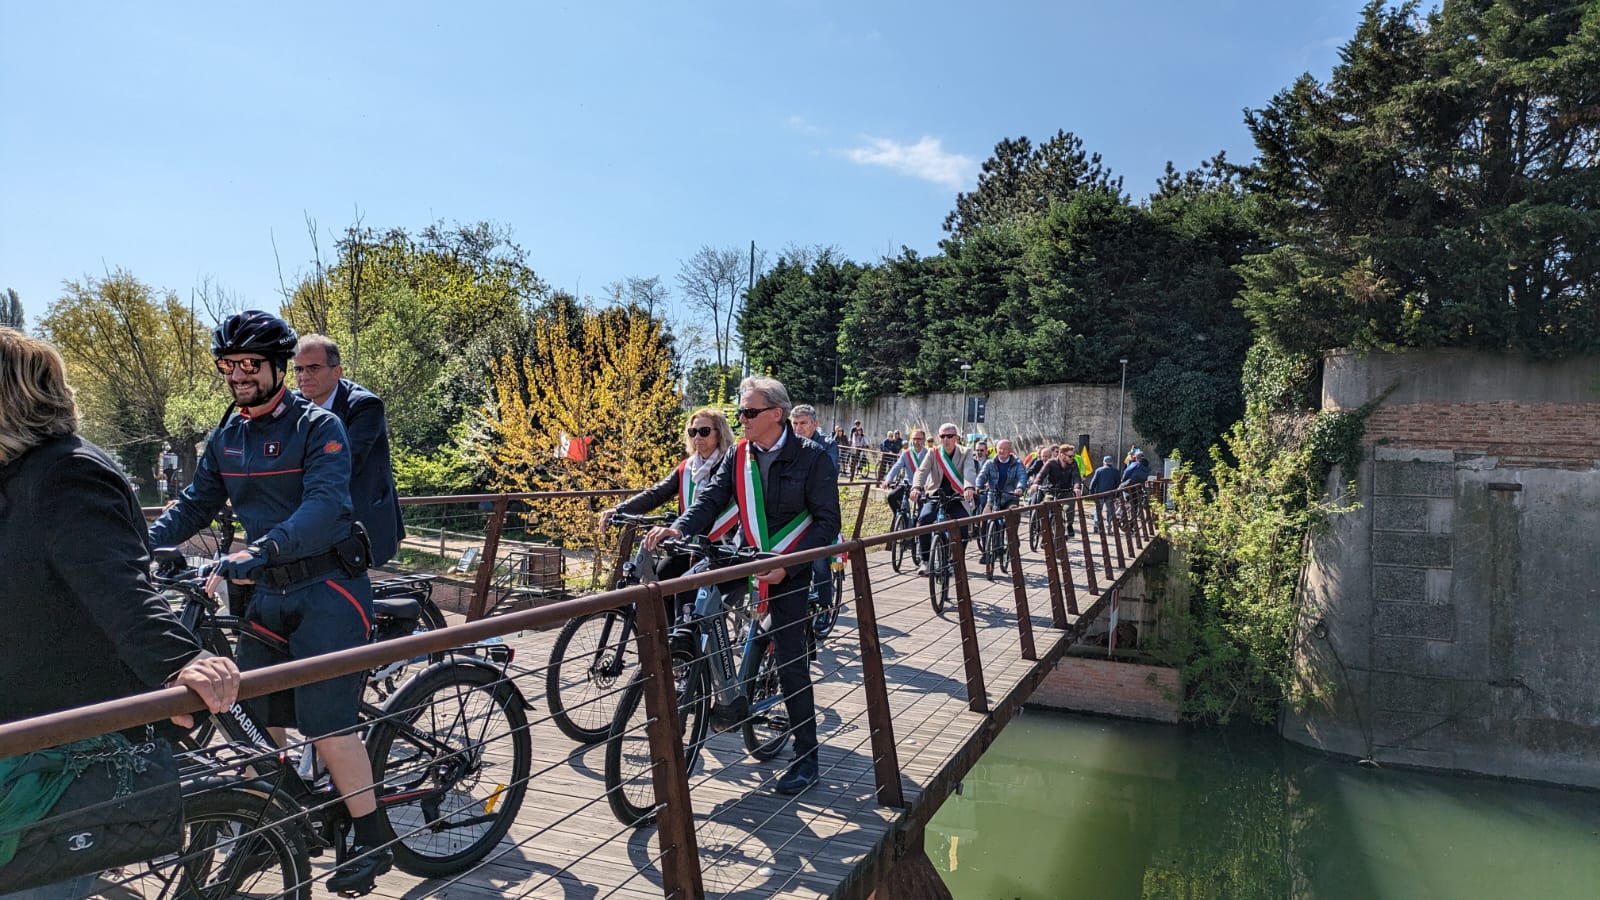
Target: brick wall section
x: 1108, y: 687
x: 1517, y: 432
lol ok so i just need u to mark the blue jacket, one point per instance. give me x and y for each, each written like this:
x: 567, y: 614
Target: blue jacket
x: 1137, y: 472
x: 287, y: 473
x: 998, y: 478
x: 802, y: 479
x: 828, y: 444
x: 373, y: 496
x: 1104, y: 479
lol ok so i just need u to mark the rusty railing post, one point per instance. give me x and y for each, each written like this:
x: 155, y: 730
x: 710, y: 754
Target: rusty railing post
x: 1019, y: 584
x: 1058, y: 611
x: 885, y: 759
x: 977, y: 696
x: 680, y: 855
x: 491, y: 549
x: 1105, y: 546
x: 624, y: 550
x: 1122, y: 562
x: 1088, y: 548
x: 861, y: 512
x: 1058, y: 532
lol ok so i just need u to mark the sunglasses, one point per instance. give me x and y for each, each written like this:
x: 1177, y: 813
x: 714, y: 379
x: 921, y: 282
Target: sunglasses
x: 247, y: 366
x: 312, y: 369
x: 949, y: 435
x: 746, y: 412
x: 702, y: 431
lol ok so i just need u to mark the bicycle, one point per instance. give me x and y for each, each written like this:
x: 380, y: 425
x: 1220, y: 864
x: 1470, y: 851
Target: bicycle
x: 1036, y: 521
x: 450, y: 750
x: 702, y: 668
x: 996, y: 543
x: 940, y: 567
x: 593, y: 655
x: 826, y: 615
x: 905, y: 548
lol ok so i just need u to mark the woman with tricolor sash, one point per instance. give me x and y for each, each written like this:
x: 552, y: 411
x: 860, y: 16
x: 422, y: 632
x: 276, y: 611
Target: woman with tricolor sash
x: 706, y: 443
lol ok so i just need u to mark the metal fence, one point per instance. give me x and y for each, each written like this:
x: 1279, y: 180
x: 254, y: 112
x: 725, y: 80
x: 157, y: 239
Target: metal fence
x: 569, y: 821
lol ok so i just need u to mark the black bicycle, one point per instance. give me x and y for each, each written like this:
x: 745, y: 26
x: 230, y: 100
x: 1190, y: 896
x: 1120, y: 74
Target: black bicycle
x: 996, y: 544
x: 594, y: 656
x: 903, y: 549
x: 703, y: 672
x: 450, y: 750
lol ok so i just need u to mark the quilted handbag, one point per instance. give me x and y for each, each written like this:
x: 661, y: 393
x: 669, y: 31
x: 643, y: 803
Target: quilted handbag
x: 123, y: 805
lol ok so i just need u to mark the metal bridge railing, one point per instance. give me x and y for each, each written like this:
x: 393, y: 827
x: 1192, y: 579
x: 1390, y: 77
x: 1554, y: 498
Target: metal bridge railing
x: 558, y: 798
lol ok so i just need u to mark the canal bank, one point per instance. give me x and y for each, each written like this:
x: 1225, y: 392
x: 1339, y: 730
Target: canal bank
x: 1066, y: 806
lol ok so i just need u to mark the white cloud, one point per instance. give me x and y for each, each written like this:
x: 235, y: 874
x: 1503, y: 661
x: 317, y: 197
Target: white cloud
x: 798, y: 123
x: 926, y: 159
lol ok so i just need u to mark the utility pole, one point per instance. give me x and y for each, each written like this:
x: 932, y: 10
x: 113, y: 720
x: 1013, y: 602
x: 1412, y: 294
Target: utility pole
x: 965, y: 368
x: 1121, y: 394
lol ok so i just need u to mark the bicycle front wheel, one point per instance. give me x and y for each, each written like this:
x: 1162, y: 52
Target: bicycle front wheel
x: 939, y: 572
x: 1034, y: 527
x: 900, y: 550
x: 629, y: 783
x: 1002, y: 547
x: 454, y: 757
x: 592, y: 660
x: 236, y: 844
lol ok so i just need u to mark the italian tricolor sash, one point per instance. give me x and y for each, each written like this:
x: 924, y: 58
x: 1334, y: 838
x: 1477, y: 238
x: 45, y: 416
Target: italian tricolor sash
x: 950, y: 470
x: 914, y: 460
x: 753, y: 510
x: 724, y: 523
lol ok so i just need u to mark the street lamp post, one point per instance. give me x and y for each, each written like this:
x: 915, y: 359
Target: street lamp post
x: 1120, y: 395
x: 965, y: 368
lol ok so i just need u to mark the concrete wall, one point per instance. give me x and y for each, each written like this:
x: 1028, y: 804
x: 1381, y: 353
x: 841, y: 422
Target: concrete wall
x: 1045, y: 413
x: 1457, y: 612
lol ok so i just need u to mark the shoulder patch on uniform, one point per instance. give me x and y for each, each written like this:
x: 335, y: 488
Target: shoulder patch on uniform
x: 332, y: 447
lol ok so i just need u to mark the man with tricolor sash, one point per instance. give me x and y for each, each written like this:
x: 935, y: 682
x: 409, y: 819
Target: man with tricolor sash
x: 787, y: 494
x: 949, y: 476
x: 905, y: 467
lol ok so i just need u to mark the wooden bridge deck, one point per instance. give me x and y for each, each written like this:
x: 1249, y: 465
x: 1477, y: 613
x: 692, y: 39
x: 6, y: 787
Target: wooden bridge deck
x: 753, y: 842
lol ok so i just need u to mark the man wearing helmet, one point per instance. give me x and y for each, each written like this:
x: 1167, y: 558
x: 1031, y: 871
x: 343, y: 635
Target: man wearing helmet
x: 284, y: 462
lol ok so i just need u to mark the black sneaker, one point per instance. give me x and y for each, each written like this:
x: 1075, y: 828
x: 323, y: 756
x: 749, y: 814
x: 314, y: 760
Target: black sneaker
x: 801, y: 776
x: 358, y: 876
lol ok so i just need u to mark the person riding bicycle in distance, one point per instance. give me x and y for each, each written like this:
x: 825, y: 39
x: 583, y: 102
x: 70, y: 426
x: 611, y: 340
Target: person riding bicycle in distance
x: 1002, y: 479
x: 905, y: 466
x: 949, y: 474
x: 284, y: 462
x: 787, y: 491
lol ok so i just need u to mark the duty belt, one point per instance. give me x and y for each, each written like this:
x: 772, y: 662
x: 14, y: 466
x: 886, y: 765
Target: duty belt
x: 282, y: 575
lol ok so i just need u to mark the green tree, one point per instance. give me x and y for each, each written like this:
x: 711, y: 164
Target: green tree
x: 141, y: 365
x: 880, y: 334
x: 1020, y: 182
x: 790, y: 322
x: 418, y: 317
x: 1439, y: 189
x: 11, y: 315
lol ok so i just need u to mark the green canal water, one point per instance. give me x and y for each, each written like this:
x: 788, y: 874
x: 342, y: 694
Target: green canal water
x: 1064, y: 806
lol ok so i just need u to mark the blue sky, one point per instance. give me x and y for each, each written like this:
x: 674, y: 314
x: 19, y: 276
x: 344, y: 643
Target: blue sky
x: 180, y: 140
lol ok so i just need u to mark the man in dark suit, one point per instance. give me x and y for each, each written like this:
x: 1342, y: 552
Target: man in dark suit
x: 799, y: 510
x: 320, y: 377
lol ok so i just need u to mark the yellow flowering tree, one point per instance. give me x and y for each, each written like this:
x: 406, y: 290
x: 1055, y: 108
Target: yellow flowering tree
x: 603, y: 384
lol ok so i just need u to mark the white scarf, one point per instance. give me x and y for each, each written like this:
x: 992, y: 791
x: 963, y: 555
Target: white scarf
x: 701, y: 470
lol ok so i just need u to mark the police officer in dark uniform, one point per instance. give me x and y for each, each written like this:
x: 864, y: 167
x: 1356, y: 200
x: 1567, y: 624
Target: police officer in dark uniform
x: 284, y: 462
